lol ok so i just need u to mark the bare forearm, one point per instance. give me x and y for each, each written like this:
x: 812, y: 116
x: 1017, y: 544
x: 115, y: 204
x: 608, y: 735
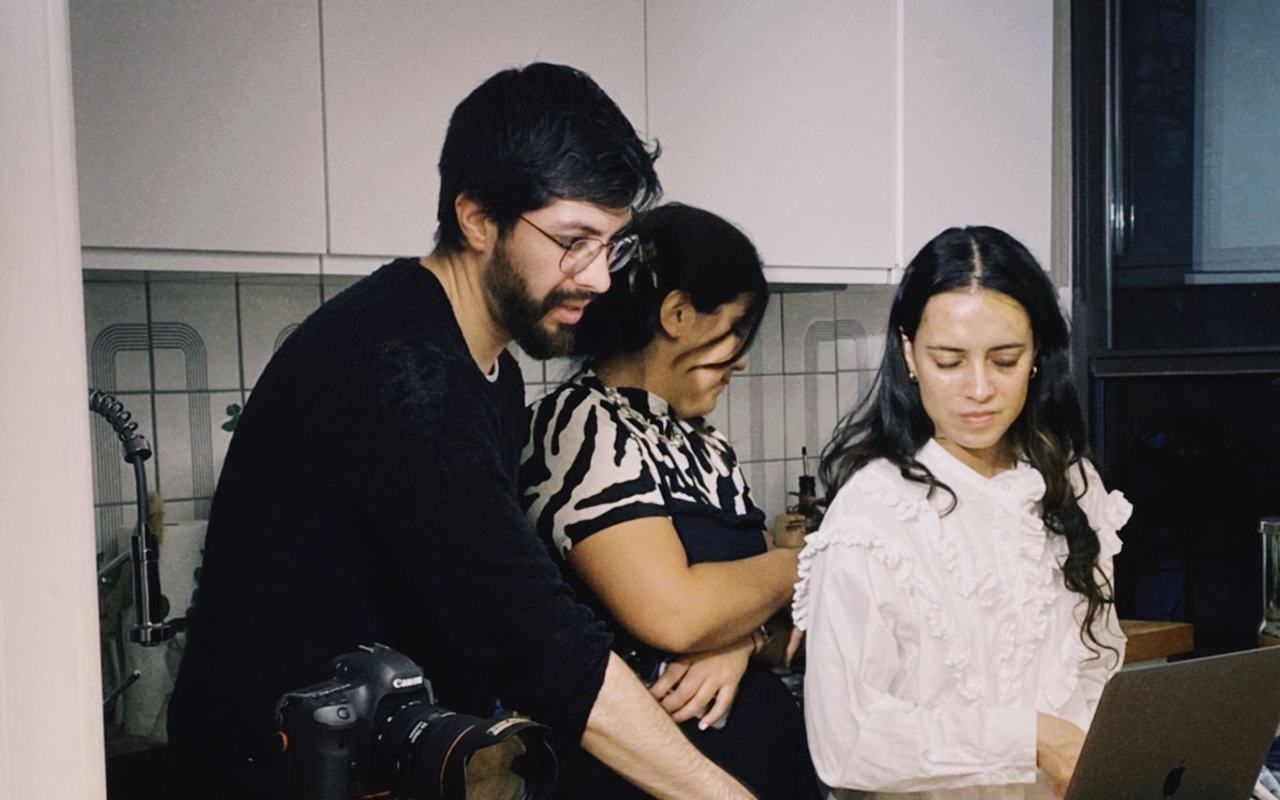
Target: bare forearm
x: 629, y: 732
x: 640, y: 570
x: 729, y: 600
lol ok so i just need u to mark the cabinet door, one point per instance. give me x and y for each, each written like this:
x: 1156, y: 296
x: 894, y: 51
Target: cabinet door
x: 780, y: 115
x: 198, y: 124
x: 977, y: 118
x: 395, y: 69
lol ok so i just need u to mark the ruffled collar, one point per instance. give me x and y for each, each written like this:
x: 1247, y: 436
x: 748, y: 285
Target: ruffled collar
x: 1022, y: 484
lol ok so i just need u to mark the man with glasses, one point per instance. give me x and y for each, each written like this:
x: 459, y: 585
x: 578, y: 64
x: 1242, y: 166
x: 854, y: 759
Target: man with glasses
x: 368, y: 494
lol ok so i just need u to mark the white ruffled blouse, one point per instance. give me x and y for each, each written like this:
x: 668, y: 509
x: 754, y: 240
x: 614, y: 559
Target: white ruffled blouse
x: 933, y: 639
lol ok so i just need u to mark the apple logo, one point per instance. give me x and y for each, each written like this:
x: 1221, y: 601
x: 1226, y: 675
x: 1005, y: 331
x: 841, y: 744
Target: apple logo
x: 1173, y: 781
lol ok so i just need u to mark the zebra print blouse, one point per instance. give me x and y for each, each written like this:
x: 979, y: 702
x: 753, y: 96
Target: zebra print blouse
x: 598, y: 456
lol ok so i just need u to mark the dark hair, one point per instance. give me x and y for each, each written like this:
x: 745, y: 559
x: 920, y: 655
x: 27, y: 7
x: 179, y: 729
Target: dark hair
x: 528, y: 136
x: 891, y: 422
x: 681, y: 248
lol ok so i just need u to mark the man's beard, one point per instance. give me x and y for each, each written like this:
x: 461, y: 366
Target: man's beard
x: 507, y: 295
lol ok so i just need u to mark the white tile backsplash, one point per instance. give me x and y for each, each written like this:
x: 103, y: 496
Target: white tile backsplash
x: 765, y: 356
x: 753, y: 472
x: 767, y: 481
x: 113, y: 525
x: 269, y: 311
x: 193, y: 337
x: 867, y: 308
x: 756, y: 410
x: 808, y: 335
x: 116, y: 336
x: 810, y: 412
x: 775, y: 484
x: 192, y: 442
x: 851, y: 388
x: 178, y: 511
x: 719, y: 416
x: 813, y: 359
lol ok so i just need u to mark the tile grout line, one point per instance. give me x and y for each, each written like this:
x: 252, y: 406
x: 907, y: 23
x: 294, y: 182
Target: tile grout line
x: 155, y: 411
x: 240, y: 342
x: 324, y: 139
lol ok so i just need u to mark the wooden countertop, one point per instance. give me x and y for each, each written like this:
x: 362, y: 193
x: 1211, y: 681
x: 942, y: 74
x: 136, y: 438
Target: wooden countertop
x: 1150, y: 640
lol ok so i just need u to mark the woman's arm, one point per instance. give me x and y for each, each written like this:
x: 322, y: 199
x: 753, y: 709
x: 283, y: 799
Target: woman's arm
x: 640, y: 571
x: 862, y: 733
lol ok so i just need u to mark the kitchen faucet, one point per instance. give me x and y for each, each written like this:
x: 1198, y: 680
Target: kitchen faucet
x: 149, y: 628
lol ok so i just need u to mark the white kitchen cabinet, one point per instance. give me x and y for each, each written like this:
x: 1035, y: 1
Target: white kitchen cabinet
x: 780, y: 115
x: 395, y: 69
x: 301, y: 136
x: 977, y: 119
x: 198, y: 124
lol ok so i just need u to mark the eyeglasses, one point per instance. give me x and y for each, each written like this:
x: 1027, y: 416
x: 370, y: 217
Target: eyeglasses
x: 581, y: 252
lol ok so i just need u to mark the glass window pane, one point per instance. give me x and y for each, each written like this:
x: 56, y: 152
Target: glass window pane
x: 1197, y: 184
x: 1199, y: 458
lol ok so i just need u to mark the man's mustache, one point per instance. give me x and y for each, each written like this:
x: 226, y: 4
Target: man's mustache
x: 561, y: 296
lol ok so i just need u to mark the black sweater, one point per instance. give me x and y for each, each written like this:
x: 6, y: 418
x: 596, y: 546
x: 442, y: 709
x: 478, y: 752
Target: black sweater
x: 369, y: 495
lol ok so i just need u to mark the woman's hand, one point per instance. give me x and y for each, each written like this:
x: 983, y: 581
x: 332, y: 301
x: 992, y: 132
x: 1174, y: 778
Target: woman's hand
x: 1058, y: 744
x: 691, y: 683
x: 794, y: 643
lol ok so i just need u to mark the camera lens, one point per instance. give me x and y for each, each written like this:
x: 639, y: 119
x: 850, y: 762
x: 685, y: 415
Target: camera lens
x: 423, y: 752
x: 492, y: 771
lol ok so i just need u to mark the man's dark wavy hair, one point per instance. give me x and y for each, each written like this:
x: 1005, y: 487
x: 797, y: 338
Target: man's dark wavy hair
x: 528, y: 136
x: 891, y: 422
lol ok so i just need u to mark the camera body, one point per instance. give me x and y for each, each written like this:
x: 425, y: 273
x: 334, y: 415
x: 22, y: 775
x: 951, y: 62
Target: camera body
x: 328, y: 725
x: 374, y: 729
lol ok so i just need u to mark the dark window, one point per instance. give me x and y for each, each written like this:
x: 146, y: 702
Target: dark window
x: 1176, y: 295
x: 1196, y: 170
x: 1199, y: 457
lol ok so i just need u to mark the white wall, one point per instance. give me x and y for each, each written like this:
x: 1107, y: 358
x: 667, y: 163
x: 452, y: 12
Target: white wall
x: 50, y: 692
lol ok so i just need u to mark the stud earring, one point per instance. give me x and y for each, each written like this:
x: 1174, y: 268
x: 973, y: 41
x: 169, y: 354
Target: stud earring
x: 911, y: 375
x: 1034, y: 370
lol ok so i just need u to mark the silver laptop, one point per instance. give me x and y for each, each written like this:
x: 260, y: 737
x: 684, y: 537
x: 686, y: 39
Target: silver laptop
x: 1195, y: 730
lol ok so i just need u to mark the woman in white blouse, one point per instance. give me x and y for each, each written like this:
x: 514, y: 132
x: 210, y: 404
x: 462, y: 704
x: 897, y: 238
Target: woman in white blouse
x: 957, y: 597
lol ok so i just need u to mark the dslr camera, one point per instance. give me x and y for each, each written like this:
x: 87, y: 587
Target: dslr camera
x: 374, y: 729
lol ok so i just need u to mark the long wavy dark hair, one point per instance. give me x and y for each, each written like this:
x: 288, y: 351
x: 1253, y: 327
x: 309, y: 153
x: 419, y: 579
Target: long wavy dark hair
x: 891, y: 422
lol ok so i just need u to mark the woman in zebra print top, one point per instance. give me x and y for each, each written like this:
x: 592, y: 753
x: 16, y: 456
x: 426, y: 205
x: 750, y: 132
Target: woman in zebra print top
x: 647, y: 506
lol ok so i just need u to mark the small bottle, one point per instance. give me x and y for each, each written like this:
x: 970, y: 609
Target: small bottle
x: 804, y: 515
x: 807, y: 502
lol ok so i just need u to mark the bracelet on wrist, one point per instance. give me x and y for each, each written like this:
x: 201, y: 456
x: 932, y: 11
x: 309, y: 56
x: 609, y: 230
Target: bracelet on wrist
x: 760, y: 638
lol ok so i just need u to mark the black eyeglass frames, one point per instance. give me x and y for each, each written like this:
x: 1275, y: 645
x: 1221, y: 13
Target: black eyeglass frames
x: 581, y: 252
